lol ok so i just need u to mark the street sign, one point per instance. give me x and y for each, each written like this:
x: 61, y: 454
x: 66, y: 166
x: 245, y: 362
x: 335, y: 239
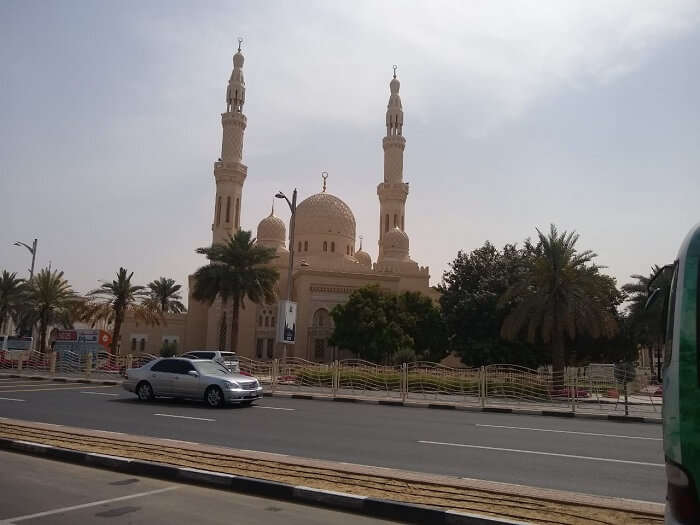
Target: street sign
x: 287, y: 322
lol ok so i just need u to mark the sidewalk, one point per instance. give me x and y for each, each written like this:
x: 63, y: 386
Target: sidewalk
x: 638, y: 413
x: 414, y: 497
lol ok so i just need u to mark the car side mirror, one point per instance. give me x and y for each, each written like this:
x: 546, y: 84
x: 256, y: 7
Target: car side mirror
x: 193, y: 373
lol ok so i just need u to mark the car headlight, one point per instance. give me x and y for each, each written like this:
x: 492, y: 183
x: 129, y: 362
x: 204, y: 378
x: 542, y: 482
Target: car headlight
x: 232, y: 385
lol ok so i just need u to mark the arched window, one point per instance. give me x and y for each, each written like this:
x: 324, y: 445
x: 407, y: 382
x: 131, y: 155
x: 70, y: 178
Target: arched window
x: 325, y: 246
x: 260, y: 321
x: 396, y: 220
x: 228, y: 209
x: 347, y: 250
x: 306, y: 246
x: 133, y: 344
x: 386, y: 223
x: 218, y: 211
x: 238, y: 212
x: 142, y: 346
x: 321, y: 319
x: 299, y: 246
x: 267, y: 321
x: 402, y: 227
x: 352, y: 250
x: 333, y: 246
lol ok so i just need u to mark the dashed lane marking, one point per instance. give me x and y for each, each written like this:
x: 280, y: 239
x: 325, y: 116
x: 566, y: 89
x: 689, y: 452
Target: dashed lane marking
x: 185, y: 417
x: 275, y: 408
x: 539, y: 453
x: 570, y: 432
x: 62, y: 510
x: 99, y: 393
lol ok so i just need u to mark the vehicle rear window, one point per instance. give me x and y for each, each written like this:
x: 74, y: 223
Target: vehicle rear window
x: 204, y: 355
x: 229, y: 356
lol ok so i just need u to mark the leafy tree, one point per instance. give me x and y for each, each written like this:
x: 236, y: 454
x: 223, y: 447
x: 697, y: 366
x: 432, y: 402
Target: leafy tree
x: 51, y: 299
x: 369, y: 325
x: 422, y: 321
x: 112, y: 300
x: 238, y: 269
x: 11, y: 293
x: 470, y: 300
x: 165, y: 293
x: 559, y: 293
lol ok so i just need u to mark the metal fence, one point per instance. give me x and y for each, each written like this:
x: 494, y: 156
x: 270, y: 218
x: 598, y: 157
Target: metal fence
x: 592, y: 388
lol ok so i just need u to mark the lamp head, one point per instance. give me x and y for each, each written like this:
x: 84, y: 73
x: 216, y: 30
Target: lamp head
x: 280, y: 195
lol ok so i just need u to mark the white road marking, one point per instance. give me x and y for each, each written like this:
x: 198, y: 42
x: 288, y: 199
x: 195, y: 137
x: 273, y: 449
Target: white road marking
x: 185, y: 417
x: 86, y: 505
x: 11, y: 399
x: 590, y: 458
x: 275, y: 408
x: 570, y: 432
x: 180, y: 441
x: 99, y: 393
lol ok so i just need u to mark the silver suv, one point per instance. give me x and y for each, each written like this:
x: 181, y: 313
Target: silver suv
x: 228, y: 359
x: 192, y: 379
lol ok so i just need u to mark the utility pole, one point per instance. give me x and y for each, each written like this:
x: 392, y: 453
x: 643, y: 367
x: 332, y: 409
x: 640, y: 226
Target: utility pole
x: 293, y: 208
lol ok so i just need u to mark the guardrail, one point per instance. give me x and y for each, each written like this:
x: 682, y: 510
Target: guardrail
x: 576, y: 389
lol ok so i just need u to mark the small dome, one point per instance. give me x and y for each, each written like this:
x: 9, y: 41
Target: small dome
x: 363, y: 258
x: 272, y: 229
x: 394, y: 86
x: 324, y: 213
x: 396, y: 240
x: 238, y: 59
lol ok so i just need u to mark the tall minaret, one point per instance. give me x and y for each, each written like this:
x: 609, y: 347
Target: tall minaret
x: 229, y: 171
x: 393, y: 191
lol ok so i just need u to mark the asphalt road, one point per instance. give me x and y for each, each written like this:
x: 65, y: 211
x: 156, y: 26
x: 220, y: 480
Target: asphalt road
x: 581, y: 455
x: 41, y: 491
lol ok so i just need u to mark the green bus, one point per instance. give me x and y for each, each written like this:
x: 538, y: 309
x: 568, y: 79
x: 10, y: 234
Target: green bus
x: 681, y: 384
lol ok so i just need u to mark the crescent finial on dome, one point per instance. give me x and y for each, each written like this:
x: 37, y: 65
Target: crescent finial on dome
x: 324, y: 176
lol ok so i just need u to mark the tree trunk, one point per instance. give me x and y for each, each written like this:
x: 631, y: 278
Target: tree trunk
x: 558, y: 359
x: 117, y: 332
x: 42, y: 334
x: 222, y: 331
x: 234, y: 323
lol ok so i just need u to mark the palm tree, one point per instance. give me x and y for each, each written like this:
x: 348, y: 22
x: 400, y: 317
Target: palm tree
x: 112, y: 300
x: 164, y: 292
x: 51, y: 300
x: 11, y: 291
x: 560, y: 293
x: 237, y: 270
x: 648, y: 323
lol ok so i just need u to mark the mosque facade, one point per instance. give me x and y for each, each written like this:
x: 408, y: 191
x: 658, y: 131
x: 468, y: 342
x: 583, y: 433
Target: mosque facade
x: 328, y: 263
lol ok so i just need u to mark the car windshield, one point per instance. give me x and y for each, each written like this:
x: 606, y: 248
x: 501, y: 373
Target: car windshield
x: 229, y: 356
x: 212, y: 368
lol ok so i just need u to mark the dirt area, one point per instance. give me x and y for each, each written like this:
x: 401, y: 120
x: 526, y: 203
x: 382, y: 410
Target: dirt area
x: 485, y: 502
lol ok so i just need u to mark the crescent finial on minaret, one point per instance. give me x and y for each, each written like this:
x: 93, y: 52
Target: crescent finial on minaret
x: 395, y: 68
x: 324, y: 176
x: 240, y: 41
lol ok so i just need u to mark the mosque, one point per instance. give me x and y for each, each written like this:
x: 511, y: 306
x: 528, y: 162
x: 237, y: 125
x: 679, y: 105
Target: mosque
x: 327, y: 262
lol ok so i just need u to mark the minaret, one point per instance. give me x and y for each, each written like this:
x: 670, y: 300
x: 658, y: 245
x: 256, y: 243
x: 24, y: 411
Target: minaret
x: 229, y: 171
x: 393, y: 191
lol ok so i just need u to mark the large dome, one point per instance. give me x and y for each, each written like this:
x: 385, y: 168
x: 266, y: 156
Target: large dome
x: 324, y: 213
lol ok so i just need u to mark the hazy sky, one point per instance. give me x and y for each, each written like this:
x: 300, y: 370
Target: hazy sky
x: 517, y: 114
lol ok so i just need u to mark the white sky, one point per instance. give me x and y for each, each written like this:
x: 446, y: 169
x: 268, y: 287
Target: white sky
x: 517, y: 114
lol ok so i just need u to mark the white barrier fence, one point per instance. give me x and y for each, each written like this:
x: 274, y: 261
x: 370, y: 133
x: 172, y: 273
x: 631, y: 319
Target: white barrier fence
x: 596, y: 387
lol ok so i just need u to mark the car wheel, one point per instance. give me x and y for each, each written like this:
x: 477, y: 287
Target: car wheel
x: 214, y: 397
x: 144, y: 391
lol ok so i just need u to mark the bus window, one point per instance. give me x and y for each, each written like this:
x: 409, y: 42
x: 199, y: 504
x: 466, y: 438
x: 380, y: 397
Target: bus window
x: 668, y: 346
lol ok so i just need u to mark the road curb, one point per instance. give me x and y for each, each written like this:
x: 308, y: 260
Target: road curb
x: 394, y: 402
x: 374, y: 507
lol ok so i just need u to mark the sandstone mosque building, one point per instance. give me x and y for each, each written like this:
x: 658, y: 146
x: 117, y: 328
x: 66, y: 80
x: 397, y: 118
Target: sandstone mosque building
x: 328, y: 263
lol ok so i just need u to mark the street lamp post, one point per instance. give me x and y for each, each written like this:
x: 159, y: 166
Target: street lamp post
x: 32, y: 250
x: 293, y: 209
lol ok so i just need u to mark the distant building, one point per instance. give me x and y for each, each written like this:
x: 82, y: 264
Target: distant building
x: 328, y: 264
